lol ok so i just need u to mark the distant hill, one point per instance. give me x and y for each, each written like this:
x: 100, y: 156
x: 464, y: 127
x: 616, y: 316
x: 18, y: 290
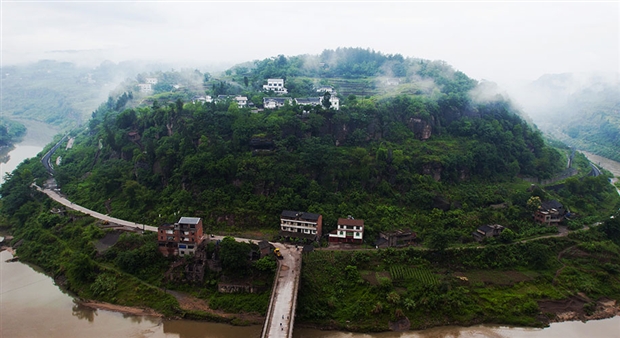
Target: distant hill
x: 60, y: 93
x: 581, y: 110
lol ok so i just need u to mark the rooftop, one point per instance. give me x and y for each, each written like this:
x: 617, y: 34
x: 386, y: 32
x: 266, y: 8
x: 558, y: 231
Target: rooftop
x: 350, y: 221
x: 189, y: 220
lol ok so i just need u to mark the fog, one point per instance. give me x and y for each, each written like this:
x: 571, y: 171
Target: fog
x: 501, y: 42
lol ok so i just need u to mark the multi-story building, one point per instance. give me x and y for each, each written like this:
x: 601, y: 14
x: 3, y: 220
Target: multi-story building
x: 550, y: 213
x: 145, y: 87
x: 300, y: 224
x: 180, y: 238
x: 276, y: 85
x: 242, y: 101
x: 151, y: 80
x: 349, y: 230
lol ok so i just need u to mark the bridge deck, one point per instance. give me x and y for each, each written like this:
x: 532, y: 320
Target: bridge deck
x: 281, y: 312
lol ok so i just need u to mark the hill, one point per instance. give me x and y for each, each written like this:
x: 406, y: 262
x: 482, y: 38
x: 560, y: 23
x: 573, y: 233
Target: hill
x: 392, y: 160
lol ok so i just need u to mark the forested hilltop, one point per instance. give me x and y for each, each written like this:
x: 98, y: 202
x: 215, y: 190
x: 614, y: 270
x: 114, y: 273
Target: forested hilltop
x: 439, y: 156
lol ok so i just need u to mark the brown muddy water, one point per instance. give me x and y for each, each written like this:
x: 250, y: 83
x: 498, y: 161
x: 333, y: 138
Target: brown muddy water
x: 31, y: 305
x: 611, y: 165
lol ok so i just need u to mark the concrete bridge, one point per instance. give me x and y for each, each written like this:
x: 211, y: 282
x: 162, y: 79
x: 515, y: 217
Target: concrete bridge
x: 281, y: 313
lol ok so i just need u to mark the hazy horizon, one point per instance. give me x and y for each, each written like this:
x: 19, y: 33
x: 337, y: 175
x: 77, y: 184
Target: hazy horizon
x: 501, y: 42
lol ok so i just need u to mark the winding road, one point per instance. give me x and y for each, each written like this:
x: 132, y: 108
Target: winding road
x: 62, y: 200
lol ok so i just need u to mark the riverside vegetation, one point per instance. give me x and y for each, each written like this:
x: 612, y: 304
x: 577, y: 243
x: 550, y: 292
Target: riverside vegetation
x: 435, y: 157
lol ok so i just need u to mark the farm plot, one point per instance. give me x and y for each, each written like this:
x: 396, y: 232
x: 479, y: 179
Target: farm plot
x: 408, y: 273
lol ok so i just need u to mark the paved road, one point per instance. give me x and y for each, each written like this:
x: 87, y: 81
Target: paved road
x: 62, y: 200
x: 46, y: 160
x: 281, y: 312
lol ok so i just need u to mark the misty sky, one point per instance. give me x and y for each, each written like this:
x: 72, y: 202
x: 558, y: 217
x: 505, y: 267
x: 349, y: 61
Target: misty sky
x: 487, y: 40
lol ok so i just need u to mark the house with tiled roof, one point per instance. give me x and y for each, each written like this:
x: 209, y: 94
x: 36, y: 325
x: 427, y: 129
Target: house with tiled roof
x: 487, y: 231
x: 550, y: 212
x: 349, y: 230
x: 300, y: 224
x: 275, y: 102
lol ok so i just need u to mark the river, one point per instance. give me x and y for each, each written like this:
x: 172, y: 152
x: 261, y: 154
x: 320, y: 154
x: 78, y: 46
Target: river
x: 31, y: 305
x: 38, y: 135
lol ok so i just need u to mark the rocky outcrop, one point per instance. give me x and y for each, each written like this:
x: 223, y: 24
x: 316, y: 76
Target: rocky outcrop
x: 421, y: 129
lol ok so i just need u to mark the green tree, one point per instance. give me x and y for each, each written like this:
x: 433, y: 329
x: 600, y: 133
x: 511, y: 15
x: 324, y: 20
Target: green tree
x: 266, y: 264
x: 326, y: 100
x: 234, y: 256
x: 611, y: 228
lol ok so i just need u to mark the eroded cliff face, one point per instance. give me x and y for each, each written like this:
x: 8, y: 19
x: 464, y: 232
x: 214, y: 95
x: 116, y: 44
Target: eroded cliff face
x: 421, y: 129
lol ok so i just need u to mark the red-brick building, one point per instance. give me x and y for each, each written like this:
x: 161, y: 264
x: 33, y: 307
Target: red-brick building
x: 180, y: 238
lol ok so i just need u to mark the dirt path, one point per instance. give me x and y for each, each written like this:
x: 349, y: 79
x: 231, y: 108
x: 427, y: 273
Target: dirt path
x: 559, y: 258
x: 191, y: 303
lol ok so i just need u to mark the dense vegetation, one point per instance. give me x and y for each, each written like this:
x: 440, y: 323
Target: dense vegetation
x: 10, y: 131
x: 508, y: 284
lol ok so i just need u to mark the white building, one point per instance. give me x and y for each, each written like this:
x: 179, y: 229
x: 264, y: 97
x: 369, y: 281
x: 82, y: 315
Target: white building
x: 316, y: 101
x: 275, y: 102
x: 151, y: 80
x: 349, y: 230
x: 202, y: 99
x: 242, y: 101
x: 324, y: 89
x: 301, y: 224
x: 335, y: 102
x: 276, y: 85
x: 145, y: 87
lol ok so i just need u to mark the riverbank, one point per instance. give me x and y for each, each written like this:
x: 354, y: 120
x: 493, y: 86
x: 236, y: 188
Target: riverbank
x: 134, y: 311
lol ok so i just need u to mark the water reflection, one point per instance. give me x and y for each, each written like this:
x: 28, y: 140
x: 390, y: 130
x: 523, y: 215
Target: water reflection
x: 4, y: 153
x: 189, y: 329
x: 83, y: 312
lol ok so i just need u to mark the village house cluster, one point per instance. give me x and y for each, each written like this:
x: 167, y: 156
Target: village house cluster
x: 183, y: 237
x: 549, y: 213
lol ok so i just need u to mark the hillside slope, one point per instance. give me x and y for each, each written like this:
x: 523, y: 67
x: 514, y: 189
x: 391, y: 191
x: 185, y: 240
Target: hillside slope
x: 391, y: 160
